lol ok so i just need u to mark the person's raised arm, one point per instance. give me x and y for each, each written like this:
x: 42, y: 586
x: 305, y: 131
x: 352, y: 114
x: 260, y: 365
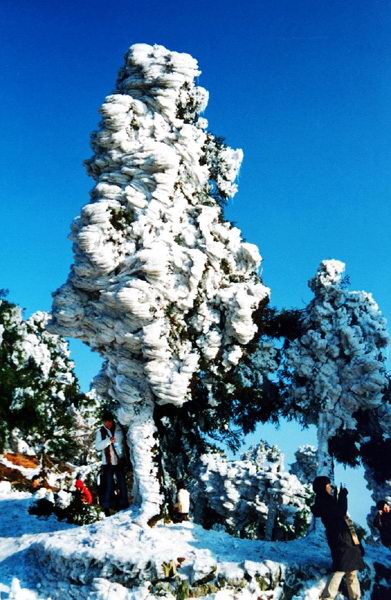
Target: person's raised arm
x: 343, y: 500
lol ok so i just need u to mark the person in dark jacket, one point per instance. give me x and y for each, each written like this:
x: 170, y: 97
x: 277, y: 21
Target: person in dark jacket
x: 345, y: 547
x: 383, y: 522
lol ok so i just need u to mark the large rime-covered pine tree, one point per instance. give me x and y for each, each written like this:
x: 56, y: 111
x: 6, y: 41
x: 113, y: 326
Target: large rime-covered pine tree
x: 161, y: 285
x: 337, y: 366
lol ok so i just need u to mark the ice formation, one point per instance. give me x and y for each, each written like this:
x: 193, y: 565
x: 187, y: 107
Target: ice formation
x: 161, y: 283
x: 338, y: 365
x: 254, y: 497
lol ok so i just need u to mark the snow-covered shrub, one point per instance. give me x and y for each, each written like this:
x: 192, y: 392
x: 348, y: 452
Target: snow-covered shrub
x: 42, y: 503
x: 65, y: 506
x: 337, y: 366
x: 161, y: 285
x: 78, y: 512
x: 41, y: 507
x: 254, y: 497
x: 41, y: 401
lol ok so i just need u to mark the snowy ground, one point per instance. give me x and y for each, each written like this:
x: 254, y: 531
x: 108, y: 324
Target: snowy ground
x: 43, y: 559
x: 18, y: 530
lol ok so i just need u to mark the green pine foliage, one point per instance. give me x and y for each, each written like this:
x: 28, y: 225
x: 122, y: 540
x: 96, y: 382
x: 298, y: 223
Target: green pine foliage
x: 39, y: 391
x: 284, y: 324
x: 247, y: 395
x: 76, y: 513
x: 368, y: 444
x: 80, y: 513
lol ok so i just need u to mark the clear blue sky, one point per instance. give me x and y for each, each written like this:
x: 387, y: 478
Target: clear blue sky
x: 302, y: 86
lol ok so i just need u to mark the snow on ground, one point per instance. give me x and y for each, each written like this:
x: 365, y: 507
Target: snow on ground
x: 43, y: 559
x: 18, y: 530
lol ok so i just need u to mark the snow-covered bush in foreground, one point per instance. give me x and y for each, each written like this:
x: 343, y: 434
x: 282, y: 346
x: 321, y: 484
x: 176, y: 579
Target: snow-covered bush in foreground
x: 65, y: 506
x: 161, y: 286
x: 40, y: 399
x: 254, y: 497
x: 338, y: 365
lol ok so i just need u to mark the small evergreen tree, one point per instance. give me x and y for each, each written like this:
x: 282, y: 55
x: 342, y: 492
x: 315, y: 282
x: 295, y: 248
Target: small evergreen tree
x: 39, y: 391
x: 254, y: 497
x: 305, y: 466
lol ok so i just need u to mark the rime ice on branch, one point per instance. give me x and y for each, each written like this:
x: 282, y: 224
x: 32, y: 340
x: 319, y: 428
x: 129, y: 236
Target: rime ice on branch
x: 338, y: 366
x: 161, y: 283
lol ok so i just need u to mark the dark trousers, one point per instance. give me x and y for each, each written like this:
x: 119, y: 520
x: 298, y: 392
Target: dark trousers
x: 108, y: 486
x: 180, y: 517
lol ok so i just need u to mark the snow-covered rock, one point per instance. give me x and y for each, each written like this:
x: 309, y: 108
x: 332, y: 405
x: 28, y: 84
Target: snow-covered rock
x: 5, y: 487
x: 147, y: 564
x: 44, y: 559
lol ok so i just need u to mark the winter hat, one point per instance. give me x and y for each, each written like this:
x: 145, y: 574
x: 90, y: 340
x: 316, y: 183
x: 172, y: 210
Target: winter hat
x: 380, y: 504
x: 79, y: 484
x: 319, y: 484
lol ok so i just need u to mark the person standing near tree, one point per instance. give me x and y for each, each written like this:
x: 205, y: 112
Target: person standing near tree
x: 383, y: 522
x: 109, y: 440
x: 345, y: 547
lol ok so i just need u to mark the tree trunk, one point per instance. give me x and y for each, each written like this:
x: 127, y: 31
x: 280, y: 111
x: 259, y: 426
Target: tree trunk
x: 325, y: 460
x: 143, y: 448
x: 271, y: 519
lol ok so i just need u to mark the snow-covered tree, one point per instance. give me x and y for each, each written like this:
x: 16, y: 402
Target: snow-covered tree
x: 161, y: 286
x: 40, y: 398
x: 337, y: 366
x: 254, y: 497
x: 305, y: 466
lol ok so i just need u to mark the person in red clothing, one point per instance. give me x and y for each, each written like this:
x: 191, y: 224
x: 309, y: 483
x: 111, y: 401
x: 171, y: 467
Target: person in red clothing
x: 85, y: 493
